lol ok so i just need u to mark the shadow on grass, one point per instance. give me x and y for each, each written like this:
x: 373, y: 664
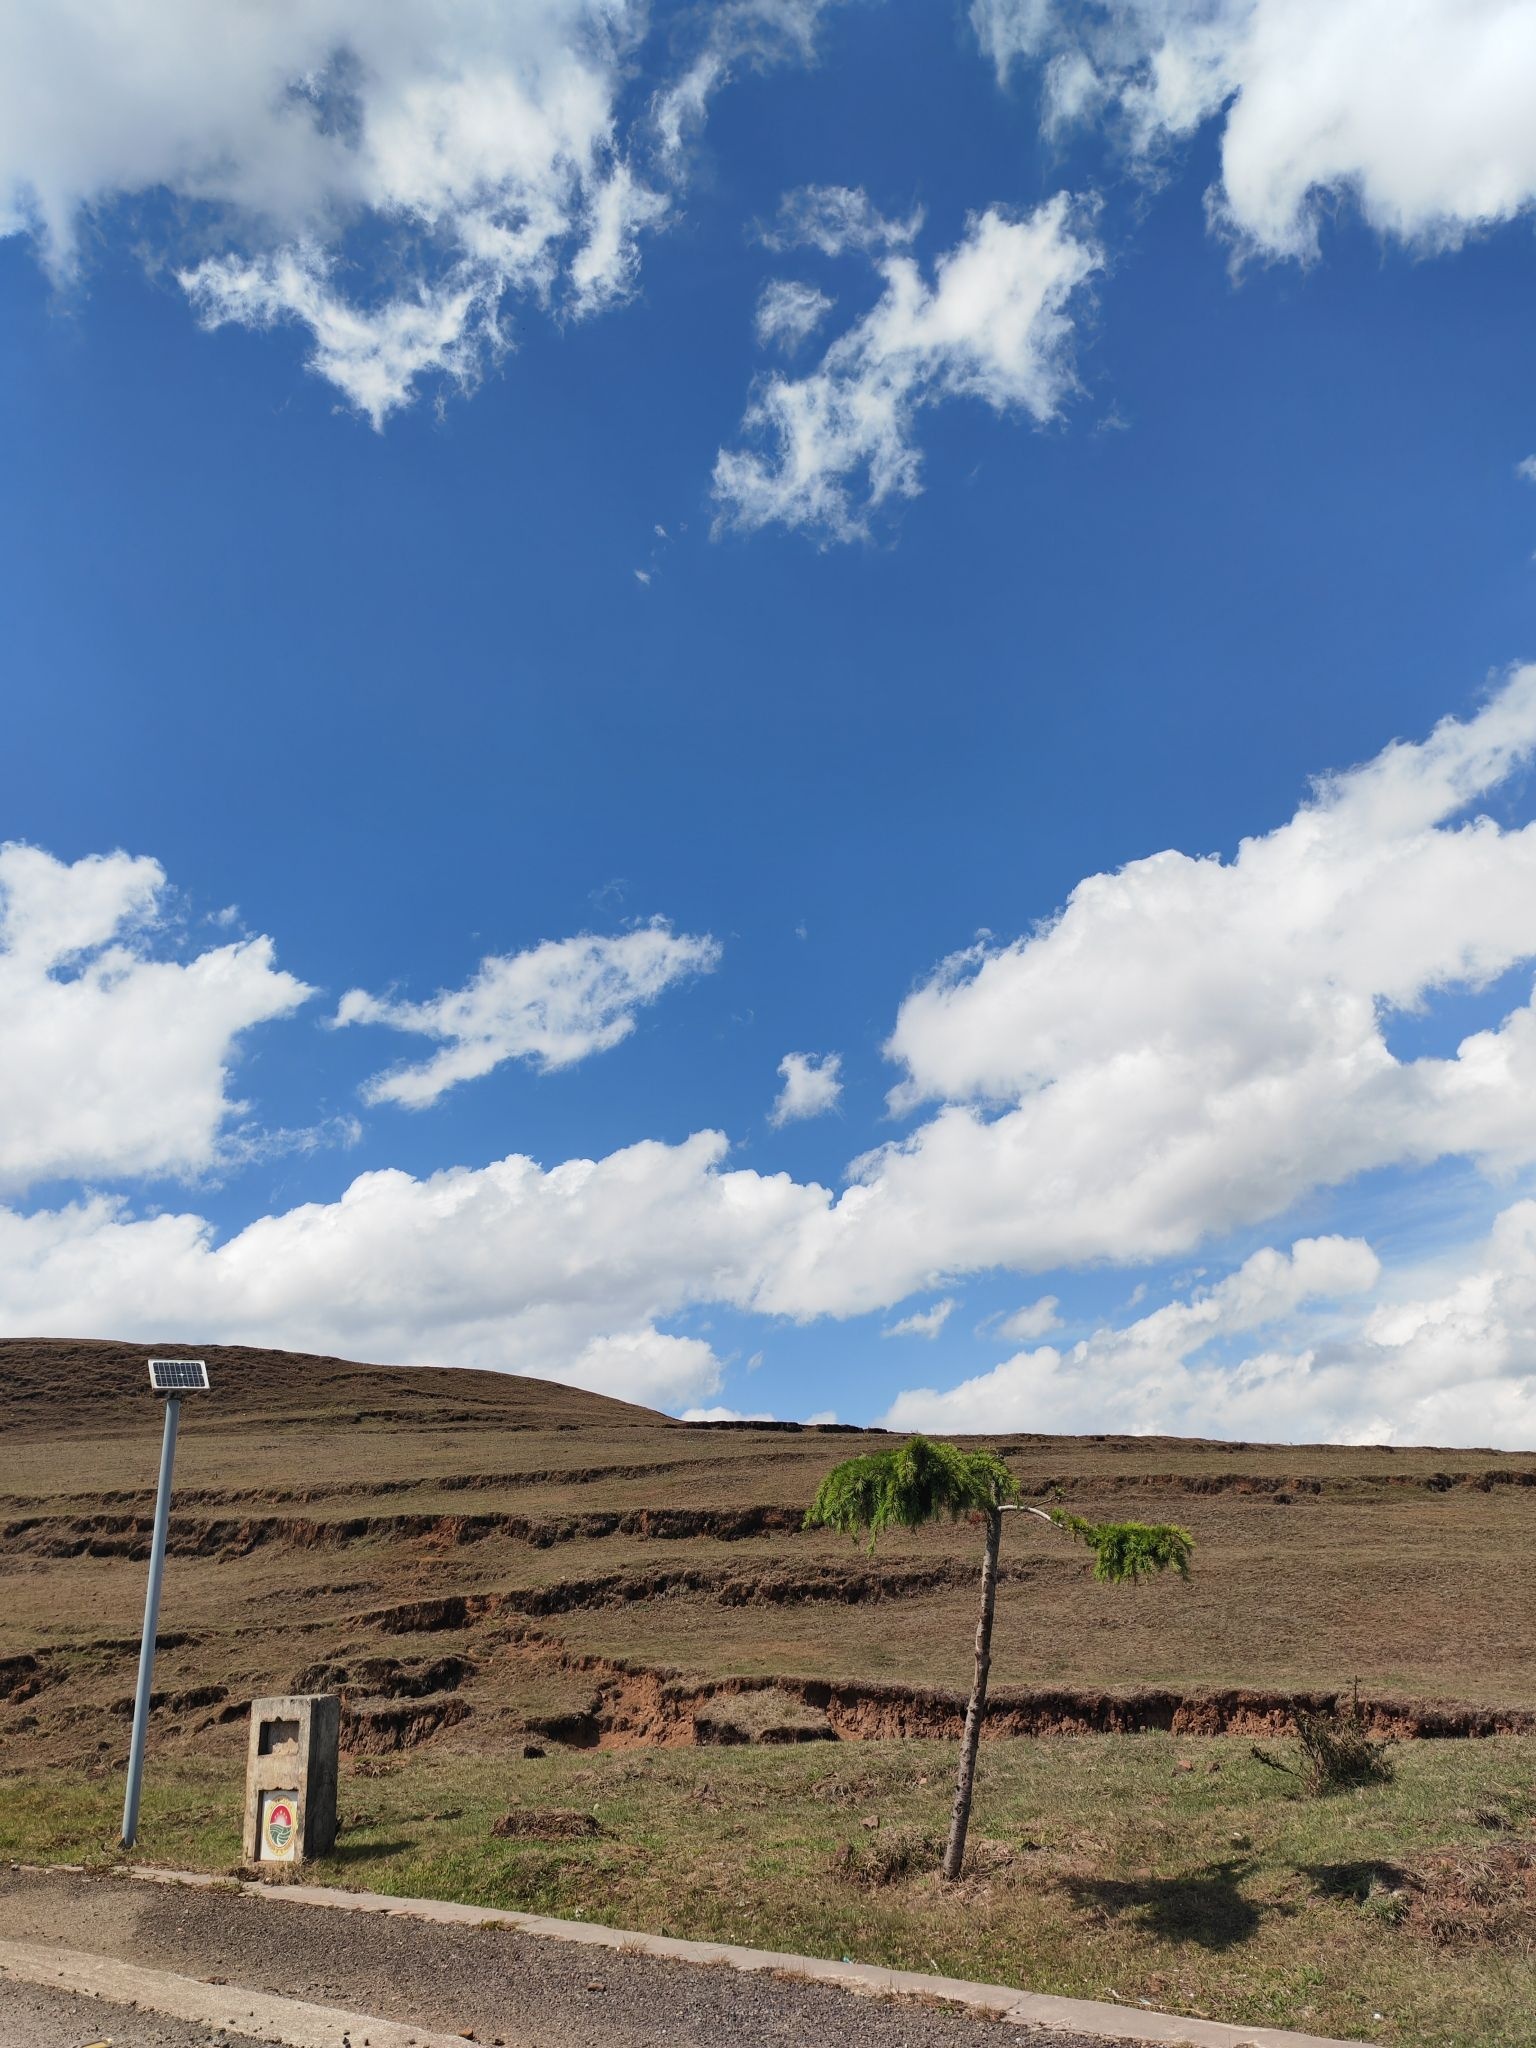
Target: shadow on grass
x: 363, y: 1852
x: 1353, y: 1880
x: 1206, y: 1906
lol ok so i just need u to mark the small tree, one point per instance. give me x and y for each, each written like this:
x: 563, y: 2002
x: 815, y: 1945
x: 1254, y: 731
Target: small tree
x: 922, y: 1481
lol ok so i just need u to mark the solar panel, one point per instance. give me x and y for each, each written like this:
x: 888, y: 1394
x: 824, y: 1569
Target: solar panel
x: 178, y: 1375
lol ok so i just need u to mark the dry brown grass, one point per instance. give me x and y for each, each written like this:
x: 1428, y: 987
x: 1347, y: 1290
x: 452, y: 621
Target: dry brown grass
x: 470, y: 1558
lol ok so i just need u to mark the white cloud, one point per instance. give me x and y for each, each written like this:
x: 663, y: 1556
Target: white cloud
x: 836, y: 219
x: 789, y: 313
x: 1194, y: 1044
x: 1025, y: 1324
x: 1527, y: 469
x: 553, y: 1005
x: 836, y: 444
x: 389, y: 179
x: 564, y: 1272
x: 113, y: 1061
x: 1190, y: 1046
x: 1151, y: 1376
x: 1420, y: 115
x: 740, y: 35
x: 923, y: 1322
x: 821, y: 1418
x: 812, y: 1085
x: 382, y: 176
x: 718, y: 1414
x: 1441, y: 1355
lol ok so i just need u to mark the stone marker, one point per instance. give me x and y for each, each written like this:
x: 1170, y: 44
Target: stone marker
x: 290, y: 1777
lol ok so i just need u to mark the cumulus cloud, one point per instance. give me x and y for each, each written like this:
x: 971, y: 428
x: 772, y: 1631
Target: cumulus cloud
x: 553, y: 1005
x: 392, y: 180
x: 1155, y: 1375
x: 1419, y: 115
x: 812, y: 1085
x: 383, y: 177
x: 923, y: 1322
x: 114, y: 1060
x: 829, y: 448
x: 1190, y: 1046
x: 789, y: 313
x: 1193, y: 1044
x: 564, y: 1272
x: 1445, y: 1355
x: 1036, y: 1320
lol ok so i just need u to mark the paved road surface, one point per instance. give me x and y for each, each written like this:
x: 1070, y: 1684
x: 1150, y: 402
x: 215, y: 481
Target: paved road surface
x: 31, y: 2017
x: 490, y: 1983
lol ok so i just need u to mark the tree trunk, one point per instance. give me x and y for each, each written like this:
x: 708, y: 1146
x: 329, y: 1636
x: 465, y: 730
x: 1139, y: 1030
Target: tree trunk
x: 975, y: 1713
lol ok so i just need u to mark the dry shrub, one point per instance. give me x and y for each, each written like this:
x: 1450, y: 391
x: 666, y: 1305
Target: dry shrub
x: 887, y: 1858
x: 1338, y: 1751
x: 552, y: 1824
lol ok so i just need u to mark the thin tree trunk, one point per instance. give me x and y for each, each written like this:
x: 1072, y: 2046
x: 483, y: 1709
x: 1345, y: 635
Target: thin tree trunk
x: 975, y: 1713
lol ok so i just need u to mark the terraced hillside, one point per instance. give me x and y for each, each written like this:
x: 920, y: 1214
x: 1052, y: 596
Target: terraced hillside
x: 487, y: 1563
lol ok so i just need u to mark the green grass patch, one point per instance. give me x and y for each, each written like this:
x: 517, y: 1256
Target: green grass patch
x: 1141, y: 1868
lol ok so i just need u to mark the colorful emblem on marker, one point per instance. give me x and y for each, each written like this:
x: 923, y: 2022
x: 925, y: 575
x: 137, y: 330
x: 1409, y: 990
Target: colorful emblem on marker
x: 278, y: 1826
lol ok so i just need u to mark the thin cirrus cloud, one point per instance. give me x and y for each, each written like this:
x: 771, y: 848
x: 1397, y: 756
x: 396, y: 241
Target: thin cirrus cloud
x: 552, y: 1005
x: 115, y: 1060
x: 497, y: 148
x: 788, y: 313
x: 813, y: 1084
x: 825, y: 450
x: 1420, y: 116
x: 1189, y: 1048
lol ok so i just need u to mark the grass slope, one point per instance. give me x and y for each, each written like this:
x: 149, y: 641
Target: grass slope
x: 483, y: 1565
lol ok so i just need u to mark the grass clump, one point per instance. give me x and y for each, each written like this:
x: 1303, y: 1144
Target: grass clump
x: 1338, y: 1751
x: 886, y: 1858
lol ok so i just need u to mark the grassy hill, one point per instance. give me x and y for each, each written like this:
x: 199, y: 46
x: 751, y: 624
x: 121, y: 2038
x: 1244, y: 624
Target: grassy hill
x: 591, y: 1663
x: 495, y: 1556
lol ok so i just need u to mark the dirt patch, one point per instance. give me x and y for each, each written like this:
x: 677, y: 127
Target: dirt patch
x: 770, y: 1716
x: 24, y: 1677
x: 531, y: 1823
x: 1453, y: 1898
x: 375, y: 1729
x: 389, y: 1678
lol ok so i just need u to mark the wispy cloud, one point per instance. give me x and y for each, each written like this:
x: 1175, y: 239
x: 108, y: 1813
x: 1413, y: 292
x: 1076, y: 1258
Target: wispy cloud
x: 923, y: 1323
x: 827, y: 449
x: 553, y: 1005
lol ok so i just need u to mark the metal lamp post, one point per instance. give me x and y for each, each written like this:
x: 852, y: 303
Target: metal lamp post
x: 172, y: 1377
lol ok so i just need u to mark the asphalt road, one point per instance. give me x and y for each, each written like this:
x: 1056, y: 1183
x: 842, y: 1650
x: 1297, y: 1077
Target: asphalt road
x: 32, y: 2017
x: 488, y: 1983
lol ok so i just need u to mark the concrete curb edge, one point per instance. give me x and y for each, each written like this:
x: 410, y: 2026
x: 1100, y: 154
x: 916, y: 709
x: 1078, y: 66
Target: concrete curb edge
x: 1001, y: 2001
x: 233, y: 2009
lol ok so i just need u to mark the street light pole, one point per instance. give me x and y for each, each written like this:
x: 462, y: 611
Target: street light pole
x: 172, y: 1377
x: 151, y: 1619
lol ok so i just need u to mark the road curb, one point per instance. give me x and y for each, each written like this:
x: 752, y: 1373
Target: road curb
x: 231, y: 2008
x: 998, y: 2001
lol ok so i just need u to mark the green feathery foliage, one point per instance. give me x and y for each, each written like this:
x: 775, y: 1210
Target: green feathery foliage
x: 1123, y: 1551
x: 915, y: 1482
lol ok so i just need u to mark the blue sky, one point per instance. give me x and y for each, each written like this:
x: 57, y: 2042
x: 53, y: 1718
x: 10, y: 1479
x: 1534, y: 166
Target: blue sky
x: 1209, y: 486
